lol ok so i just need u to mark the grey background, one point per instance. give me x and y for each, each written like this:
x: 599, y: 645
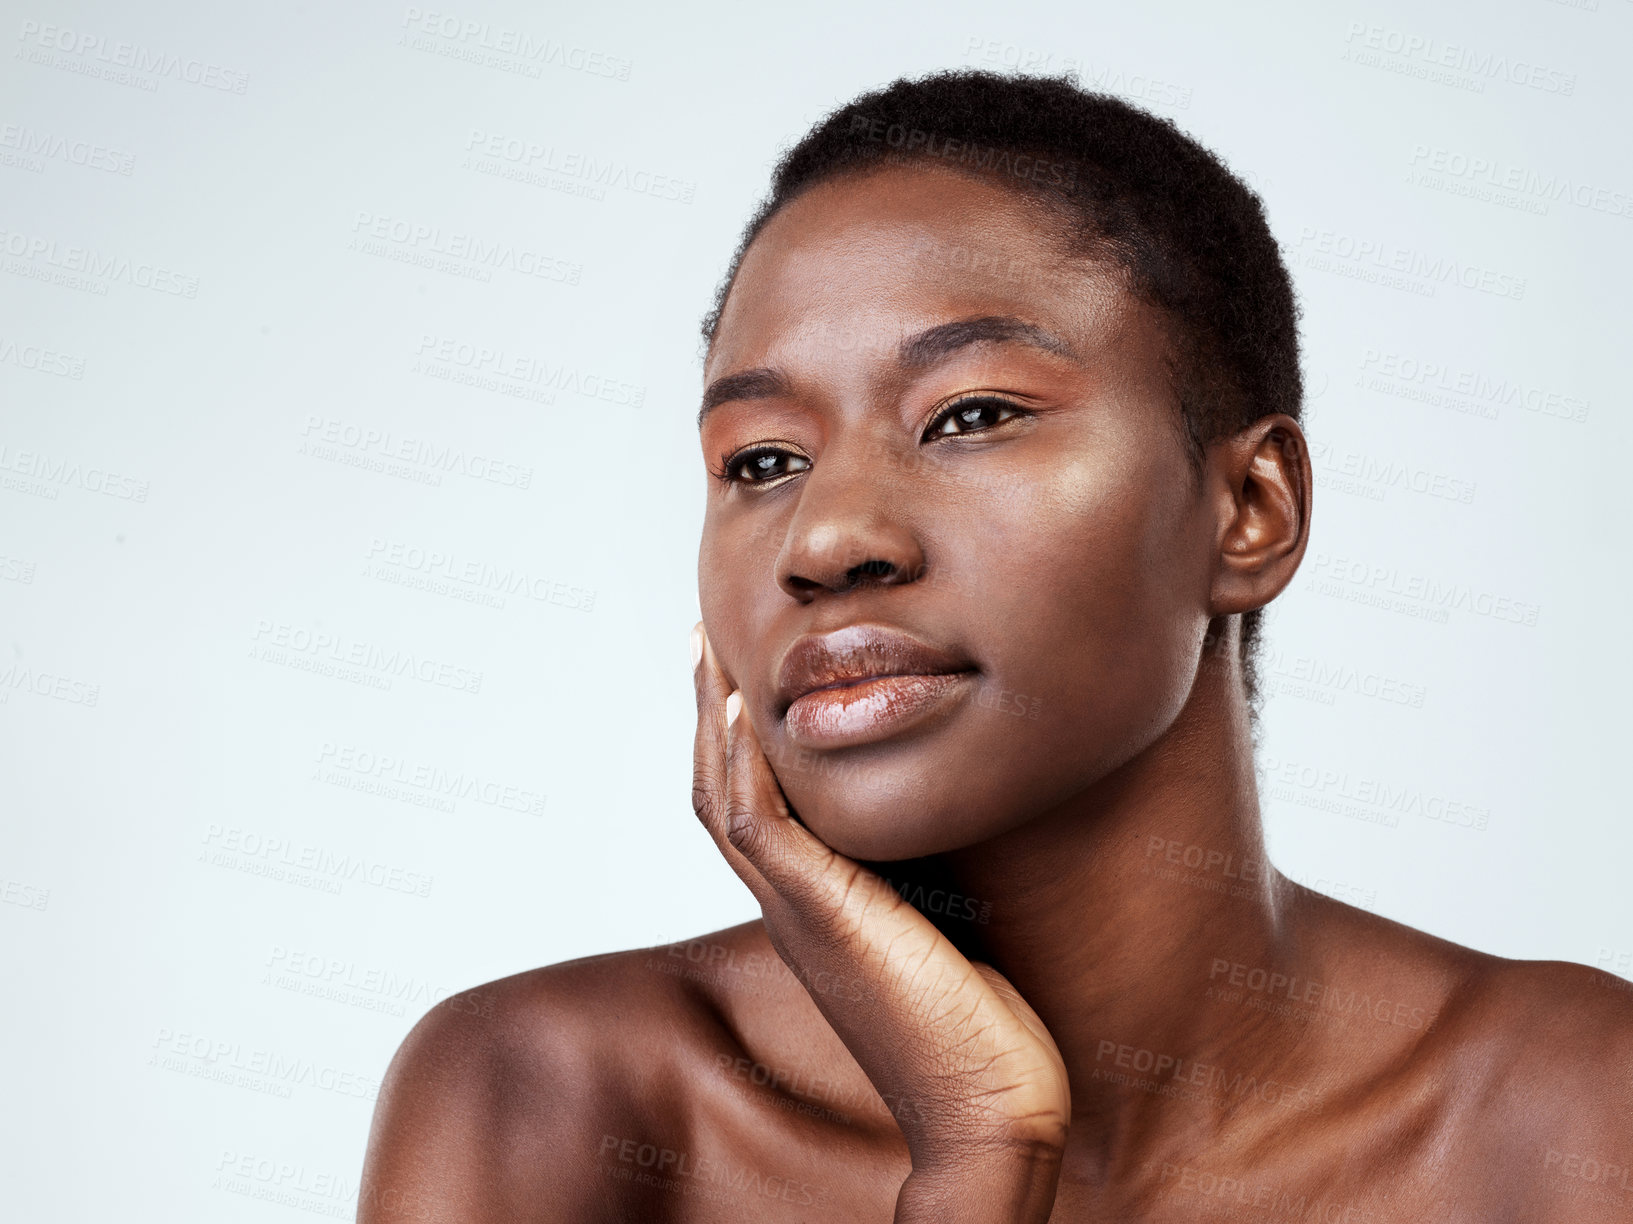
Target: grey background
x: 231, y: 238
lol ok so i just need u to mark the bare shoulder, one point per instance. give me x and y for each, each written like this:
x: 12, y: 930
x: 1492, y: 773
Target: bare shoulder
x: 1505, y: 1085
x: 1554, y: 1035
x: 1558, y: 1013
x: 1543, y: 1051
x: 1562, y: 1036
x: 573, y: 1092
x: 496, y: 1102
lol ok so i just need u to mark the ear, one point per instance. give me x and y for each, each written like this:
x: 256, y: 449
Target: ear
x: 1260, y: 481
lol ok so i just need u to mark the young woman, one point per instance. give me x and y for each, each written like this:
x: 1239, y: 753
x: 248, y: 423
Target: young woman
x: 1001, y: 420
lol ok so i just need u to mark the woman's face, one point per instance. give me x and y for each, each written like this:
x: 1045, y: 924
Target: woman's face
x: 953, y: 454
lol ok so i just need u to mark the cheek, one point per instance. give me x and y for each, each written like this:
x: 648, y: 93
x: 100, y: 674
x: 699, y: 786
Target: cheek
x: 720, y: 600
x: 710, y: 580
x: 1088, y: 603
x: 1083, y: 596
x: 737, y: 593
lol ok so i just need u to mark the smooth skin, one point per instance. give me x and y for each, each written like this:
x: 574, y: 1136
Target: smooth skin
x: 1146, y: 1022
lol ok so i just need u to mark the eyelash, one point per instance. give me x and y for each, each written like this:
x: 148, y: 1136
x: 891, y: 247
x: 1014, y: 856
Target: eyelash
x: 731, y: 461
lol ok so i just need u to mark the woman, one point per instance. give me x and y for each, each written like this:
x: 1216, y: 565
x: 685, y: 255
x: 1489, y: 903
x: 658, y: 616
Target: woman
x: 1001, y: 416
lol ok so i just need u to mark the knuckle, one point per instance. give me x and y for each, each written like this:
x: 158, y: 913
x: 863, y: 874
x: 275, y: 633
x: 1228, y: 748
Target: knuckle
x: 746, y: 833
x: 705, y: 797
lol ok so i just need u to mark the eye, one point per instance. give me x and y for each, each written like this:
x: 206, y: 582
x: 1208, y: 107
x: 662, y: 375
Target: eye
x: 970, y: 415
x: 762, y: 465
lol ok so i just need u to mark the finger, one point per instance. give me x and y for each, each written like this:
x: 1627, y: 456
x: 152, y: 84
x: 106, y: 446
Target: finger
x: 709, y: 744
x: 709, y: 753
x: 803, y: 869
x: 1005, y: 990
x: 787, y: 867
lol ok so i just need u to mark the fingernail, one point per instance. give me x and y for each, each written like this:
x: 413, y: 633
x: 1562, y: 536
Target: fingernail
x: 734, y: 706
x: 697, y: 644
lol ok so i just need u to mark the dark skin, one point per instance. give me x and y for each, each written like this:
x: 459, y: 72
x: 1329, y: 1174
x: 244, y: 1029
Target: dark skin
x: 1147, y: 1022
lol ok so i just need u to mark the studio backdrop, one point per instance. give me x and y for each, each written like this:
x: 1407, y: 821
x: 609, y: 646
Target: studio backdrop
x: 350, y: 495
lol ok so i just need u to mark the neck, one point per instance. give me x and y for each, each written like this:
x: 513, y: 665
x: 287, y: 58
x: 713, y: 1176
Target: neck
x: 1121, y: 917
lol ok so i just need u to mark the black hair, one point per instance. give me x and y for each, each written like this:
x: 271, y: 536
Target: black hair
x: 1130, y: 190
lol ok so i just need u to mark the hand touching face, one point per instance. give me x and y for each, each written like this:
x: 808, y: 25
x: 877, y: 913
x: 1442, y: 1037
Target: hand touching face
x: 959, y: 498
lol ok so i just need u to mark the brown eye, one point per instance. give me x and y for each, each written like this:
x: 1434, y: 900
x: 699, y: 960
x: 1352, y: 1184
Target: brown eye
x: 970, y: 415
x: 764, y: 465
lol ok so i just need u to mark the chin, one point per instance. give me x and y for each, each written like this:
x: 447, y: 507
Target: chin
x: 885, y: 815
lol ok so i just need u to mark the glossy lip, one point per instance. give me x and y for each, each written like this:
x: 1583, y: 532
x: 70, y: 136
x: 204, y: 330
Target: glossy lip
x: 863, y: 682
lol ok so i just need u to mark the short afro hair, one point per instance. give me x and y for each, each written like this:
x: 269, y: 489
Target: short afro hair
x: 1132, y: 191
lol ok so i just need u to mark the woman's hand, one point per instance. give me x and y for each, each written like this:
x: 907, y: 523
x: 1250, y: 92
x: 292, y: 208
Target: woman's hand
x: 926, y: 1025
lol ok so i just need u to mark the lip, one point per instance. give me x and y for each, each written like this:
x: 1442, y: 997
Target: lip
x: 863, y: 683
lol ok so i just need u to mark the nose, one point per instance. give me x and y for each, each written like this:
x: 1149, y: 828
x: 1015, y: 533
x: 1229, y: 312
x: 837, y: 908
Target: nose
x: 850, y: 529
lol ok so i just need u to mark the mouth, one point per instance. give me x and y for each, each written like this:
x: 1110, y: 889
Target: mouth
x: 865, y: 683
x: 862, y: 711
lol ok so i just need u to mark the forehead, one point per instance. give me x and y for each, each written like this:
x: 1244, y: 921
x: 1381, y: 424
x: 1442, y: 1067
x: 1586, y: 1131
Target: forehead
x: 858, y: 261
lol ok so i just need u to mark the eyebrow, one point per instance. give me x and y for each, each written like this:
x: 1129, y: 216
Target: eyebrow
x: 918, y: 351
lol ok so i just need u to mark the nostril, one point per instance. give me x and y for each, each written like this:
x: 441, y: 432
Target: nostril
x: 802, y: 585
x: 870, y: 569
